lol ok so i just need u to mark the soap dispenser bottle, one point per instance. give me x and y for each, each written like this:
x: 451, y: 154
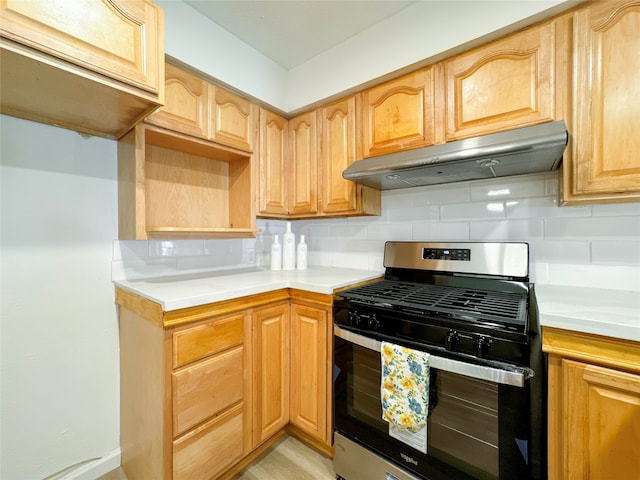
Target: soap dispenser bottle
x: 276, y: 254
x: 301, y: 254
x: 288, y: 249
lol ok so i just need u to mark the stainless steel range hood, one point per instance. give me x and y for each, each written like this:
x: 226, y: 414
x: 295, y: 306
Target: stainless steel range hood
x: 524, y: 150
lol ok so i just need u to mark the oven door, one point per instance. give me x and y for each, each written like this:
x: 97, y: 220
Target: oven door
x: 478, y: 424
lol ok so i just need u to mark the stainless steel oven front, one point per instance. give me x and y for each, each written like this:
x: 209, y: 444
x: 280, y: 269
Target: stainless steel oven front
x: 478, y: 424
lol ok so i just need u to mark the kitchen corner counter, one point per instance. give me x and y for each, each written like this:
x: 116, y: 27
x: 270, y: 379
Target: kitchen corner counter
x: 611, y: 313
x: 188, y: 290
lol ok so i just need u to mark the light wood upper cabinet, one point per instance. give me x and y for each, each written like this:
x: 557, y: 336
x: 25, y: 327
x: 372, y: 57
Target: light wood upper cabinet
x: 397, y: 115
x: 310, y: 371
x: 337, y: 152
x: 196, y: 107
x: 186, y: 106
x: 174, y: 186
x: 503, y: 85
x: 303, y: 165
x: 604, y: 165
x: 95, y: 66
x: 274, y: 177
x: 233, y: 119
x: 594, y: 406
x: 270, y: 351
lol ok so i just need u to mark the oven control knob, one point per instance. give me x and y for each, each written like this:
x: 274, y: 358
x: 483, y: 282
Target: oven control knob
x: 374, y: 323
x: 354, y: 319
x: 482, y: 345
x: 451, y: 340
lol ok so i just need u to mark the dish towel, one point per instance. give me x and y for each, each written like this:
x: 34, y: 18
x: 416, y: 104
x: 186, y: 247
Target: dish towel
x: 404, y: 386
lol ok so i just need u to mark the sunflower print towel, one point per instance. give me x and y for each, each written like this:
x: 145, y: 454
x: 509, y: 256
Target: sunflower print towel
x: 405, y: 386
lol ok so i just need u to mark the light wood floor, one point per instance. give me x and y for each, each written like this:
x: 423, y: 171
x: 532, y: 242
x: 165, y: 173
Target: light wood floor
x: 288, y: 459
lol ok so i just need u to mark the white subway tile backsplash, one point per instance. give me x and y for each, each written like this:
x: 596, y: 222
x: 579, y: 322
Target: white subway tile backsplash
x: 559, y: 251
x: 616, y: 252
x: 538, y: 272
x: 593, y: 228
x: 568, y: 245
x: 617, y: 209
x: 508, y: 187
x: 130, y: 250
x: 435, y: 231
x: 473, y: 211
x: 151, y: 267
x: 175, y: 248
x: 413, y: 214
x: 551, y: 184
x: 596, y: 276
x: 390, y: 231
x: 542, y: 207
x: 349, y: 231
x: 423, y: 196
x: 512, y: 231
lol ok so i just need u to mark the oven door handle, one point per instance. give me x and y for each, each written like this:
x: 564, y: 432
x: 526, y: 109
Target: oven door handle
x: 502, y: 373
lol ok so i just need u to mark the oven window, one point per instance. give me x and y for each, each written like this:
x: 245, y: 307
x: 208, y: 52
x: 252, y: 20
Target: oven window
x: 463, y: 419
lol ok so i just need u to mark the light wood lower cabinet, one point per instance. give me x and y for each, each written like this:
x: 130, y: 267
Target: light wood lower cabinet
x: 311, y: 364
x: 270, y: 351
x: 204, y: 390
x: 594, y: 406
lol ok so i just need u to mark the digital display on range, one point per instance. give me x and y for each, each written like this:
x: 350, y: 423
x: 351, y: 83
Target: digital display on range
x: 457, y: 254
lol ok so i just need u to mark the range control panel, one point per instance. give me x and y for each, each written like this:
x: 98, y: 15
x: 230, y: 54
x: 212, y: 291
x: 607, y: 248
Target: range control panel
x: 459, y: 254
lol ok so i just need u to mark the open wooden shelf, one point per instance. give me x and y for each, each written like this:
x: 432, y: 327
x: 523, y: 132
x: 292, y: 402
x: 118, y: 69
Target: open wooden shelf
x: 173, y: 186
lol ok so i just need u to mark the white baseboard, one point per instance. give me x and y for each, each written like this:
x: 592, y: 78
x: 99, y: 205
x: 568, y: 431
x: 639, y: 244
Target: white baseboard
x: 96, y: 468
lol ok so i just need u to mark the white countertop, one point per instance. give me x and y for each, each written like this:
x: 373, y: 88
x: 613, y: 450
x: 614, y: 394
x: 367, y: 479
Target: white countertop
x: 189, y: 290
x: 613, y: 313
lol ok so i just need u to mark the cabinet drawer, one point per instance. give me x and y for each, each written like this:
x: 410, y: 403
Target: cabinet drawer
x: 205, y: 388
x: 209, y: 450
x: 198, y: 342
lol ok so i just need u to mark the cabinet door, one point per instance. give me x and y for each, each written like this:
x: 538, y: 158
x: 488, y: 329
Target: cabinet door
x: 303, y: 189
x: 270, y: 371
x: 273, y: 155
x: 186, y: 104
x: 232, y: 119
x: 338, y: 151
x: 121, y: 39
x: 310, y: 367
x: 506, y: 84
x: 397, y: 115
x: 599, y: 423
x: 606, y: 164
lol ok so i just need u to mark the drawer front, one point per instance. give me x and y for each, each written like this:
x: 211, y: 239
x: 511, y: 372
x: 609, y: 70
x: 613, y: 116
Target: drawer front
x: 198, y: 342
x: 210, y: 449
x: 206, y: 388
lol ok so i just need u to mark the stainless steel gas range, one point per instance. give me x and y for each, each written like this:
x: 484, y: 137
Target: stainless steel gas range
x: 471, y: 308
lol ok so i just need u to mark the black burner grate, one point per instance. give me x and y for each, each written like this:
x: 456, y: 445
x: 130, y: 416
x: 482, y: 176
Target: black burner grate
x: 468, y: 304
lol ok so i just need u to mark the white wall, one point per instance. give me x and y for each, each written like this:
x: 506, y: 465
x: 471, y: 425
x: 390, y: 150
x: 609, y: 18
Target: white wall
x: 414, y: 34
x: 59, y: 339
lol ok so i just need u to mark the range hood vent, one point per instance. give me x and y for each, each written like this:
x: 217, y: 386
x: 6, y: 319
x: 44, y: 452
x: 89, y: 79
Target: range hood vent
x: 515, y: 152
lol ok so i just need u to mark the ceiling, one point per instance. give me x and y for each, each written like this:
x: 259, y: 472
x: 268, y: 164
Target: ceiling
x: 291, y: 32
